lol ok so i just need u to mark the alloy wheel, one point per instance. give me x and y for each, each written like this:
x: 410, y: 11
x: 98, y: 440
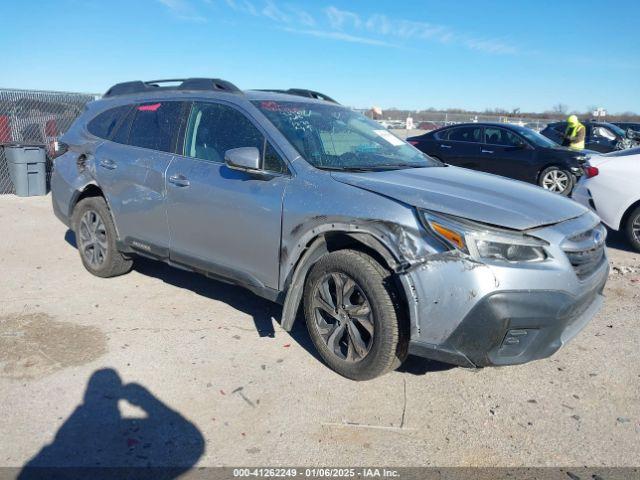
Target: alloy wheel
x: 343, y: 316
x: 555, y: 181
x: 93, y: 238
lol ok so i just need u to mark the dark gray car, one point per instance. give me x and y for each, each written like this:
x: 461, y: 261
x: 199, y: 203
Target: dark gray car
x: 309, y: 204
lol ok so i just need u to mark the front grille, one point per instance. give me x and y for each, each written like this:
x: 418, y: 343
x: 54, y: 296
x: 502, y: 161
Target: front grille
x: 586, y: 262
x: 586, y: 250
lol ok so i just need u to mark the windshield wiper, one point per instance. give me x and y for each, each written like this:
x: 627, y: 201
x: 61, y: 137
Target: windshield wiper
x: 398, y: 165
x: 372, y: 168
x: 343, y: 169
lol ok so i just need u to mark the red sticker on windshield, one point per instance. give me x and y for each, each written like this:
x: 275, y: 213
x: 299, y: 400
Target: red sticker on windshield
x: 273, y: 106
x: 149, y: 108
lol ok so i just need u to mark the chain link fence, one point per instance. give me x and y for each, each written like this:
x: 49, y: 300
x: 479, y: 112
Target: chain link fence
x: 35, y: 118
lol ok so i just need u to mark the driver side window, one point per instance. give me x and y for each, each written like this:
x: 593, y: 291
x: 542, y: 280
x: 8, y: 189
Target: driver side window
x: 214, y: 128
x: 500, y: 136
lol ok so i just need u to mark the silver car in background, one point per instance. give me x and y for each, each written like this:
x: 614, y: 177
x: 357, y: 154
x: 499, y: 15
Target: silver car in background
x: 386, y: 251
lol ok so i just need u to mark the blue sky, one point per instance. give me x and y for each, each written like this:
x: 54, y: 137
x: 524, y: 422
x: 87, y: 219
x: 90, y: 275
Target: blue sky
x: 406, y: 54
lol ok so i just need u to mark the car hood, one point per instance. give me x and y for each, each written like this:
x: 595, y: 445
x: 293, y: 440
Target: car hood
x: 472, y: 195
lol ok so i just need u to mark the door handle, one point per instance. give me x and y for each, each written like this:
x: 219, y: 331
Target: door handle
x: 179, y: 180
x: 445, y: 146
x: 108, y: 164
x: 486, y: 151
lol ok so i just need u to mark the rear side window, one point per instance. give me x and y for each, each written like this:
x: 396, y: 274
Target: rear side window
x: 122, y: 134
x: 462, y: 134
x: 104, y: 124
x: 155, y: 125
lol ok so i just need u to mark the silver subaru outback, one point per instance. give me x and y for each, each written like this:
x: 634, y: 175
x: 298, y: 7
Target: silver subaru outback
x: 385, y: 251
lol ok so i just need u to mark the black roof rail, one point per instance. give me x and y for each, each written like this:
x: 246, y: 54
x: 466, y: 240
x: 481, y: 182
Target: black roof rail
x: 138, y: 86
x: 302, y: 92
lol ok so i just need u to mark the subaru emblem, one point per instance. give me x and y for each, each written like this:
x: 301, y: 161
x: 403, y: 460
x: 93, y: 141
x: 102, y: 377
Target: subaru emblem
x: 597, y: 237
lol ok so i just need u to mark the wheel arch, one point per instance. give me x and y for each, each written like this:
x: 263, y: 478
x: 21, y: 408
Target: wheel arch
x: 627, y: 213
x: 89, y: 190
x: 331, y: 241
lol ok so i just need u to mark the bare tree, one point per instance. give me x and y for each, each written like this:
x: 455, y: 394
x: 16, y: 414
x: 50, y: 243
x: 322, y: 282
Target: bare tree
x: 560, y: 108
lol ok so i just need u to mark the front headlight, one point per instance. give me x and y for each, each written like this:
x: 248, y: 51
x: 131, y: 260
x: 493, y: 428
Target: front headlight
x: 483, y: 242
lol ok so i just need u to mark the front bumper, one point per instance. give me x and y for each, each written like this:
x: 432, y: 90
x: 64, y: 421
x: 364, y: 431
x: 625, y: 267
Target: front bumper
x: 508, y: 328
x: 475, y: 315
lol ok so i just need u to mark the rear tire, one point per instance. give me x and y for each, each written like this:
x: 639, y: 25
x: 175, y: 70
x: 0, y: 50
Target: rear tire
x: 357, y: 333
x: 632, y: 229
x: 96, y: 239
x: 557, y: 180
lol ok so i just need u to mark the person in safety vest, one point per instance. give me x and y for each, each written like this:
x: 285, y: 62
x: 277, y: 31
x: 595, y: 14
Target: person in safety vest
x: 575, y: 134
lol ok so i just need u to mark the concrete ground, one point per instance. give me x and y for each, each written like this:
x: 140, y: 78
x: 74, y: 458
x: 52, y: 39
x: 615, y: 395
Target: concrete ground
x: 162, y: 365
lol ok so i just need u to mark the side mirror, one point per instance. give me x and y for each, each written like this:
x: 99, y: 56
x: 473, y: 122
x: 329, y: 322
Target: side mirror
x: 246, y: 159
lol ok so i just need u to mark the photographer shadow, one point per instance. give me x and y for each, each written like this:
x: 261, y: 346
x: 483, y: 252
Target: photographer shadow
x: 96, y: 441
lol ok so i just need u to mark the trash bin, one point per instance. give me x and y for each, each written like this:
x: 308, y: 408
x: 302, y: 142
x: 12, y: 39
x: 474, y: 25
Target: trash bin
x: 27, y: 169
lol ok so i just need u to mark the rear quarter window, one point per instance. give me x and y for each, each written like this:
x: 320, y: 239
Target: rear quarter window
x: 104, y: 124
x: 156, y: 125
x: 441, y: 134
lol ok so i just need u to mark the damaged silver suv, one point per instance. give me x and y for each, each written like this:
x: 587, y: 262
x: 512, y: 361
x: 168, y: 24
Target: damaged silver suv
x: 307, y: 203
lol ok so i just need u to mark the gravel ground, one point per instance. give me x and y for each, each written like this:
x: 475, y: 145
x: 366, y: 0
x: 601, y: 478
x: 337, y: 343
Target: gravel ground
x: 162, y: 365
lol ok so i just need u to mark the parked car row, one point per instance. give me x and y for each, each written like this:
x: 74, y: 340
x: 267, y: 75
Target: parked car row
x: 387, y: 251
x: 508, y: 150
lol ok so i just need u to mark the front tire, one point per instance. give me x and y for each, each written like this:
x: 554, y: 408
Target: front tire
x: 96, y: 239
x: 351, y: 316
x: 557, y: 180
x: 632, y: 229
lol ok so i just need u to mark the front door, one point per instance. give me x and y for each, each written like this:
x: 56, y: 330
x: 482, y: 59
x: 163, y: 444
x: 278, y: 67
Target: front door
x: 507, y: 154
x: 221, y: 220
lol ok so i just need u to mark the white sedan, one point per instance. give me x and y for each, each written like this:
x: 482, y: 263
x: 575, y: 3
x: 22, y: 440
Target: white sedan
x: 612, y: 190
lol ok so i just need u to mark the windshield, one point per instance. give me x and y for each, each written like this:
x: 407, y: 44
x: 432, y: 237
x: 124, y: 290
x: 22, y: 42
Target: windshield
x: 332, y: 137
x: 534, y: 137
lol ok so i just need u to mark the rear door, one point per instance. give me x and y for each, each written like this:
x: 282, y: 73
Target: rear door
x: 222, y: 220
x: 131, y: 167
x: 506, y: 153
x: 460, y: 146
